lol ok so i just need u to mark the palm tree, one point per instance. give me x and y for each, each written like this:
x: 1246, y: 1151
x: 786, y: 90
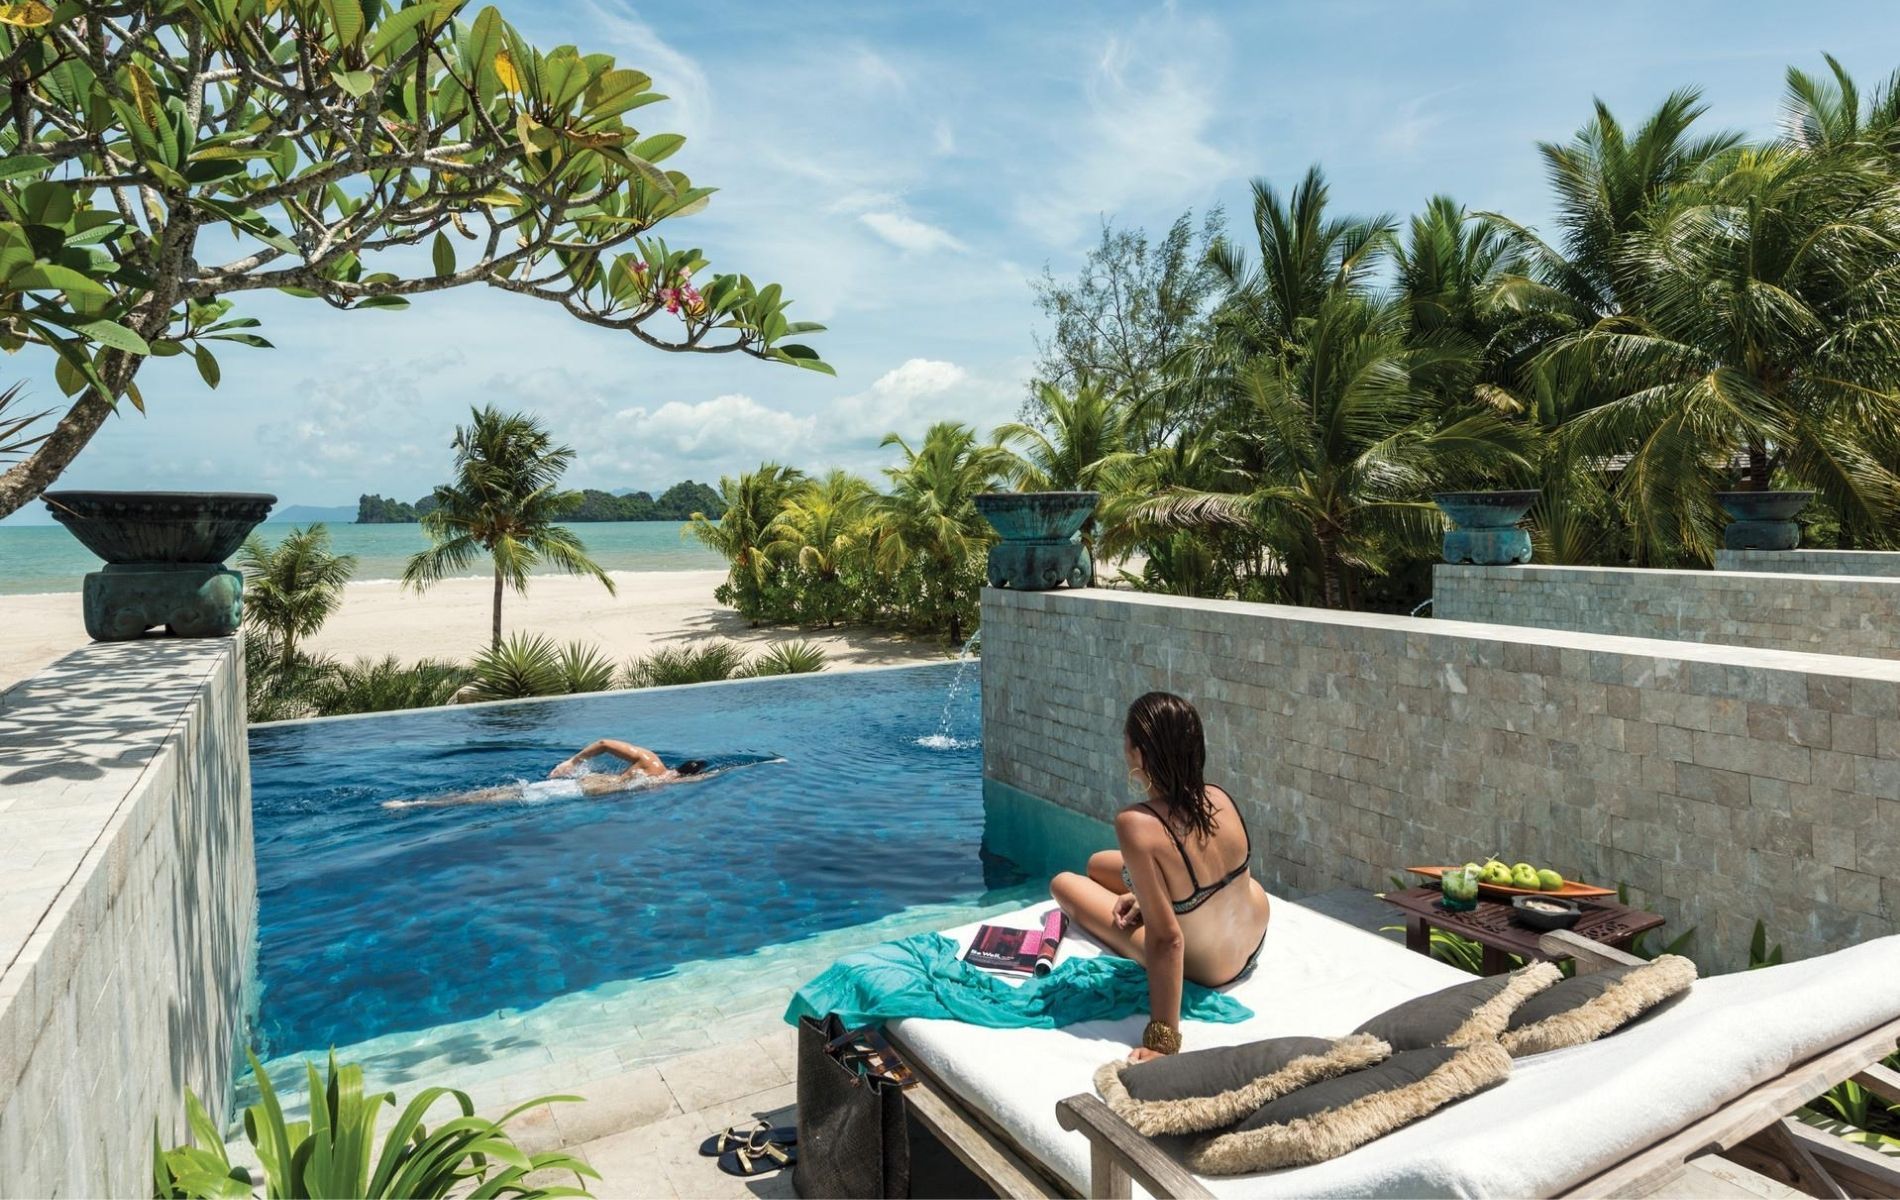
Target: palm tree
x: 820, y: 529
x: 1085, y: 436
x: 1347, y: 447
x: 505, y: 502
x: 1764, y: 327
x: 291, y: 589
x: 930, y: 518
x: 740, y: 534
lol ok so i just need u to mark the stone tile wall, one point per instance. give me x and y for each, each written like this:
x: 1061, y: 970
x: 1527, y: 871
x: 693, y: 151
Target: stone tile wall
x: 1811, y: 562
x: 1723, y: 784
x: 128, y: 908
x: 1825, y: 615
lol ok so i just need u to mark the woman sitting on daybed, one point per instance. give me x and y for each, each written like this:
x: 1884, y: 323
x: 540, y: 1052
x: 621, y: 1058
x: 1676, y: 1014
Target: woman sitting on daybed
x: 1176, y: 897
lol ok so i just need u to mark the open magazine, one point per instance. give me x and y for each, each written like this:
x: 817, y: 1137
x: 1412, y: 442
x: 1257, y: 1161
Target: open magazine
x: 1019, y: 951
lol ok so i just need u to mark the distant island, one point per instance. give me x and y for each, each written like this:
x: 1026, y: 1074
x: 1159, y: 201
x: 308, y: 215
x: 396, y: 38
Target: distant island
x: 677, y: 503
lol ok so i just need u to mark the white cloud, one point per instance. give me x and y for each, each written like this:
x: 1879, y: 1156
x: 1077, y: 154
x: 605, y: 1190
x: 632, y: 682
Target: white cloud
x: 716, y: 430
x: 676, y: 74
x: 905, y: 399
x: 908, y: 233
x: 1151, y: 98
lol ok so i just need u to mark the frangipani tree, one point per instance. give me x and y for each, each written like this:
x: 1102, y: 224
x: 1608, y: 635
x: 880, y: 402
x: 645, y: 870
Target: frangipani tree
x: 356, y: 152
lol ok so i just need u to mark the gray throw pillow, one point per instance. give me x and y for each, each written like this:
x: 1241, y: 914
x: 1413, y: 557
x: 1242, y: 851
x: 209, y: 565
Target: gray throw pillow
x: 1327, y: 1119
x: 1212, y: 1088
x: 1463, y: 1014
x: 1584, y: 1008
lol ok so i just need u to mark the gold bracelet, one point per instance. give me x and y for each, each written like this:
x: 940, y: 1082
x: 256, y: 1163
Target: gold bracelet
x: 1161, y: 1038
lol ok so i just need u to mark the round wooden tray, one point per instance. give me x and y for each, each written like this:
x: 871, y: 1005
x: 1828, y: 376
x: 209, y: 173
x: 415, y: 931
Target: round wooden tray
x: 1571, y: 890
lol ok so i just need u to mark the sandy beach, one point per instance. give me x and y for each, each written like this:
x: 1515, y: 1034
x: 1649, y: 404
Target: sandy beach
x: 450, y: 620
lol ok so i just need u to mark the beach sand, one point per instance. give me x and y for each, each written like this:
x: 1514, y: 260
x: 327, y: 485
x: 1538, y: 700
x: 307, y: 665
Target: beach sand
x: 652, y: 609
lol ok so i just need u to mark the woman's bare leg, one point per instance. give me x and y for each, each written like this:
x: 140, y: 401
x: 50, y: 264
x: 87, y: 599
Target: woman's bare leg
x: 1092, y: 906
x: 1105, y: 868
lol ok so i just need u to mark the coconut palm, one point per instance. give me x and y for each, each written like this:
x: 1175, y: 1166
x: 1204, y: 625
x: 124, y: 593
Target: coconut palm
x: 1343, y: 446
x: 505, y: 503
x: 819, y: 530
x: 929, y: 519
x: 741, y: 534
x: 1764, y: 328
x: 291, y: 589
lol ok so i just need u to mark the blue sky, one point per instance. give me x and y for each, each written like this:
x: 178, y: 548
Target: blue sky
x: 905, y: 170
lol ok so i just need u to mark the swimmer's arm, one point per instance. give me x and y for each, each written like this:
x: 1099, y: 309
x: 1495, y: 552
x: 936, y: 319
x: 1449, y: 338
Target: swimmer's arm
x: 635, y: 756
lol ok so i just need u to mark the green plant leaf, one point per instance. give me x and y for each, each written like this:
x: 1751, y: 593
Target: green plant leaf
x: 13, y: 166
x: 115, y: 335
x: 207, y: 365
x: 442, y: 252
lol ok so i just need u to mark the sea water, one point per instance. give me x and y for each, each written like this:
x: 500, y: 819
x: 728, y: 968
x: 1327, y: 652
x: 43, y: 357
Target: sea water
x: 46, y: 558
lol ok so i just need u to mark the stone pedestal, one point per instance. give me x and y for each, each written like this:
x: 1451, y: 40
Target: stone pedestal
x: 1495, y: 547
x: 1039, y: 566
x: 124, y: 600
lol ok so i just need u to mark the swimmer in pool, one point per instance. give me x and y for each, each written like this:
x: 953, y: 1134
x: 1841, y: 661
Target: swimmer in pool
x: 643, y: 768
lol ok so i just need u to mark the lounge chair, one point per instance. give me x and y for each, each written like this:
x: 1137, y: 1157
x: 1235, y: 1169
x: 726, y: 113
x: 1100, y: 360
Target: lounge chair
x: 1716, y: 1072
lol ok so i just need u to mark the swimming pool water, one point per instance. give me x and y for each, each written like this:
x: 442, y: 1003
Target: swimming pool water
x: 374, y: 921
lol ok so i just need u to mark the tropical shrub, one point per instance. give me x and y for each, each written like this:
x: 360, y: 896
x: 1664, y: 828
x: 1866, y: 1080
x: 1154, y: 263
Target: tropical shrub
x: 384, y: 685
x: 335, y: 1154
x: 583, y: 668
x: 439, y: 128
x: 524, y: 665
x: 669, y: 666
x: 787, y: 658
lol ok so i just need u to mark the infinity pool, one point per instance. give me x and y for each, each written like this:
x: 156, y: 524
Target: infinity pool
x: 830, y: 813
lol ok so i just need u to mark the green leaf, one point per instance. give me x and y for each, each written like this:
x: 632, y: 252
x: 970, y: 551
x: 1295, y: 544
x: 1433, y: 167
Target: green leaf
x: 207, y: 365
x: 402, y: 22
x: 242, y: 339
x: 49, y: 276
x: 354, y: 83
x: 658, y: 147
x: 47, y: 202
x: 115, y: 335
x: 443, y: 253
x: 382, y: 302
x: 15, y: 165
x: 346, y: 17
x: 484, y: 42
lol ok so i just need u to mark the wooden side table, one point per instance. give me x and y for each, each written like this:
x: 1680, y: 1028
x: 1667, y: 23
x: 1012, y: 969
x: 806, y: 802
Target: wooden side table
x: 1490, y: 925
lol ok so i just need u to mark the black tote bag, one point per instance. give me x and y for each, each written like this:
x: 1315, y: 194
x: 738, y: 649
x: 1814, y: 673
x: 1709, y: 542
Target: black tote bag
x: 852, y: 1140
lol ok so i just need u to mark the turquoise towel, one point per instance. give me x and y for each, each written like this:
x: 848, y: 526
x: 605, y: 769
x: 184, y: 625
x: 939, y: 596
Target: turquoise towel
x: 921, y: 976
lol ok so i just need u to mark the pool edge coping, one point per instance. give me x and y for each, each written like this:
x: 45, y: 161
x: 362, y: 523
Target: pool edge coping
x: 671, y: 687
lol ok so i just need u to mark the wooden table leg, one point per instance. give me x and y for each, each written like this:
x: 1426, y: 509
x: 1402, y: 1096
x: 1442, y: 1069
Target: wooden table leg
x: 1496, y: 961
x: 1418, y: 935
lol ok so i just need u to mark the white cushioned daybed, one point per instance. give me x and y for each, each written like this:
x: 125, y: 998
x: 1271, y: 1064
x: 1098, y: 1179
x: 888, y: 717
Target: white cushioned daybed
x: 1562, y: 1120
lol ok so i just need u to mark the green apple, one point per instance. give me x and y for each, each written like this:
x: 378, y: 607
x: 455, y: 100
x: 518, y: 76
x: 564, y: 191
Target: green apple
x: 1498, y: 874
x: 1522, y: 866
x: 1473, y: 869
x: 1523, y: 875
x: 1549, y: 880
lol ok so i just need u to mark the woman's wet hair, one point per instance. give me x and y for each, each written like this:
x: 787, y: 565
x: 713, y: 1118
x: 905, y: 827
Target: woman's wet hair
x: 691, y: 766
x: 1166, y: 732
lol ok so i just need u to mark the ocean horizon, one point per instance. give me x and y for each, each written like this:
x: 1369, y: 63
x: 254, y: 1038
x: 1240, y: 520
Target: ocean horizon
x: 48, y: 559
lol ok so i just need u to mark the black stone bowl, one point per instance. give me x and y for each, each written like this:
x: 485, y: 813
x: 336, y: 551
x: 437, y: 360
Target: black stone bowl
x: 1523, y: 914
x: 1763, y: 506
x: 1037, y: 516
x: 160, y: 527
x: 1486, y: 510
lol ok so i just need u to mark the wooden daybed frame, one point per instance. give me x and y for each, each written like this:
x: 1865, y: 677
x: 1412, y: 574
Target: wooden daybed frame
x: 1754, y: 1130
